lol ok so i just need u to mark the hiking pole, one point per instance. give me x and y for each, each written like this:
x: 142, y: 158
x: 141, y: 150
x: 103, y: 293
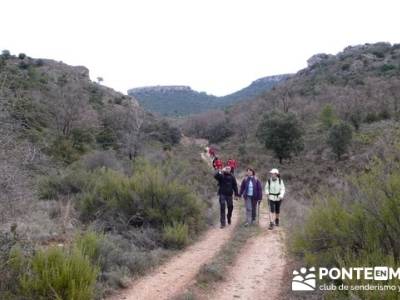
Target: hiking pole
x: 271, y: 226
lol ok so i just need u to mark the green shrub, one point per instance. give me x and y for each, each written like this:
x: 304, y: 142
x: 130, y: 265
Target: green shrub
x: 107, y: 138
x: 357, y: 228
x: 371, y: 117
x: 63, y: 149
x: 346, y: 67
x: 122, y: 257
x: 81, y: 139
x: 355, y: 120
x: 149, y: 195
x: 101, y: 159
x: 108, y: 193
x: 339, y: 138
x: 66, y: 184
x: 96, y: 96
x: 59, y: 274
x: 165, y: 200
x: 28, y: 113
x: 328, y: 117
x: 366, y: 138
x: 176, y: 235
x: 12, y: 264
x: 89, y: 243
x: 387, y: 67
x: 23, y: 65
x: 384, y: 115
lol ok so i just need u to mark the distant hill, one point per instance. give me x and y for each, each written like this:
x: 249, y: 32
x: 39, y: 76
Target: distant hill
x: 182, y: 100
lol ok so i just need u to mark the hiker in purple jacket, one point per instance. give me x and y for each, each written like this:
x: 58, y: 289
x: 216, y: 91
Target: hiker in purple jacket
x: 251, y: 191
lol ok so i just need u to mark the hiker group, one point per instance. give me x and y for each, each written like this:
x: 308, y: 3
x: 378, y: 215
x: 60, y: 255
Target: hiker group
x: 251, y: 191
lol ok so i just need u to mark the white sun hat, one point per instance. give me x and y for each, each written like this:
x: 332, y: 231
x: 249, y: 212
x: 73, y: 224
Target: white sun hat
x: 274, y: 171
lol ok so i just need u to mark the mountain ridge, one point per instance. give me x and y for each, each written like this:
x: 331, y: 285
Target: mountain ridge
x: 181, y: 100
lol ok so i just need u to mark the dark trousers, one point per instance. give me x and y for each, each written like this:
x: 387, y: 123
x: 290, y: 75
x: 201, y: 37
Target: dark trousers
x: 228, y: 200
x: 253, y: 209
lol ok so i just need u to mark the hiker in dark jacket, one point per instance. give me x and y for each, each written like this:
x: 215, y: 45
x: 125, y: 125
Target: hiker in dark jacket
x: 227, y: 187
x: 251, y: 191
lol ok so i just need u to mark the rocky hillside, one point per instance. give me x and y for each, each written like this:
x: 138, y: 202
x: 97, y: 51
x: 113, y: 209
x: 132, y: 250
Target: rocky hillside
x: 359, y: 86
x: 182, y: 100
x: 335, y: 124
x: 86, y: 173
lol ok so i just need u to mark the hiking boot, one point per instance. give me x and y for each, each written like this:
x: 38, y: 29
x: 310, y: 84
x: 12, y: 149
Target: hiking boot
x: 222, y: 226
x: 229, y: 222
x: 276, y: 222
x: 246, y: 224
x: 271, y: 226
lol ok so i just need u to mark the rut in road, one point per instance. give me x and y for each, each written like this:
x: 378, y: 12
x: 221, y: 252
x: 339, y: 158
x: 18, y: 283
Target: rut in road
x: 259, y: 268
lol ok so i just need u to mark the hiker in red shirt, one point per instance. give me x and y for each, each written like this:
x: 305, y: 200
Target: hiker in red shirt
x: 233, y: 164
x: 211, y: 152
x: 217, y: 163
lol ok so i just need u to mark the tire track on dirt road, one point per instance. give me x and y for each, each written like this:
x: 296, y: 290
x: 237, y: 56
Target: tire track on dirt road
x: 259, y: 268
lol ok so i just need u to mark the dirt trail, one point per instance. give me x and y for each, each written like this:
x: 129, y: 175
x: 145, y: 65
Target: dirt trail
x: 259, y: 268
x: 256, y: 274
x: 171, y: 278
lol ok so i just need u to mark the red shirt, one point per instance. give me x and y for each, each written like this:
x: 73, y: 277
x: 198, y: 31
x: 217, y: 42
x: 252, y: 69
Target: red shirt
x: 218, y: 164
x: 211, y: 152
x: 232, y: 163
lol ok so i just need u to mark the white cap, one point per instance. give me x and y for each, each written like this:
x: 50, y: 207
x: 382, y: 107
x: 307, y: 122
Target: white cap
x: 274, y: 171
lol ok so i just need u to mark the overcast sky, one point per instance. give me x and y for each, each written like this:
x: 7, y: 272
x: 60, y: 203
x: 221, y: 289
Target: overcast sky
x: 215, y: 46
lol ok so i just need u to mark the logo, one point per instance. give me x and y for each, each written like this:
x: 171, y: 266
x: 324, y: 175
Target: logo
x: 381, y: 273
x: 304, y: 280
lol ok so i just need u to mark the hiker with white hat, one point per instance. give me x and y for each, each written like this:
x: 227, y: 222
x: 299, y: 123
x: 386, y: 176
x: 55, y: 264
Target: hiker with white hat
x: 275, y: 191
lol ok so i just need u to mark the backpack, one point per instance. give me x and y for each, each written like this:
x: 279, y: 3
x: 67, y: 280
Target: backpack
x: 269, y: 185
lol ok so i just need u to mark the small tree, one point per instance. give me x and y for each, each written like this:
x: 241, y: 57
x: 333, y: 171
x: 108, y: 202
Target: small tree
x: 5, y: 54
x: 328, y: 116
x: 339, y: 138
x: 219, y: 132
x: 356, y: 119
x: 125, y: 127
x: 281, y: 133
